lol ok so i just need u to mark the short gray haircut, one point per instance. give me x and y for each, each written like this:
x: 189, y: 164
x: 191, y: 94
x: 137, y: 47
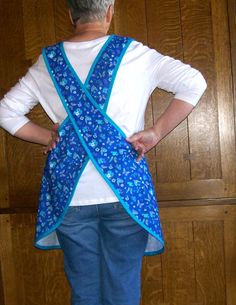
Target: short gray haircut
x: 89, y: 10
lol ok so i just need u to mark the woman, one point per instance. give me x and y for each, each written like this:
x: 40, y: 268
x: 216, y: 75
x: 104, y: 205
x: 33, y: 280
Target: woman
x: 97, y: 200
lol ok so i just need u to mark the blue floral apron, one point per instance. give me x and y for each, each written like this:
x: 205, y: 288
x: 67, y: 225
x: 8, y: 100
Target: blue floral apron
x: 88, y: 133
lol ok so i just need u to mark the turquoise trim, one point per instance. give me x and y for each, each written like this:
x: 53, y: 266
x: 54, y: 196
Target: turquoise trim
x: 47, y: 247
x: 89, y: 95
x: 155, y: 252
x: 115, y: 73
x: 96, y: 59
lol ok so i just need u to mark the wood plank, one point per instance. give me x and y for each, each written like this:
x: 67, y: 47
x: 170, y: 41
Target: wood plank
x: 224, y: 95
x: 178, y: 264
x: 39, y: 31
x: 209, y: 262
x: 13, y: 66
x: 152, y: 283
x: 4, y: 190
x: 1, y: 287
x: 198, y: 213
x: 232, y: 27
x: 203, y: 122
x: 46, y: 22
x: 197, y: 189
x: 130, y: 19
x: 28, y: 168
x: 8, y: 273
x: 32, y: 37
x: 151, y: 155
x: 164, y: 35
x: 63, y: 26
x: 41, y: 273
x: 28, y: 261
x: 38, y: 273
x: 230, y: 266
x: 56, y: 289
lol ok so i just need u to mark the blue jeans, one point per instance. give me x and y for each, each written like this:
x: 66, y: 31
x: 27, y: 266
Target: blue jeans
x: 103, y: 249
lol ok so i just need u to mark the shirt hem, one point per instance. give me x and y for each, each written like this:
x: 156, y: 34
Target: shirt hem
x: 94, y: 201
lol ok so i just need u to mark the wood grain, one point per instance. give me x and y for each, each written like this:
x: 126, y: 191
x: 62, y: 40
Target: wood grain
x: 203, y: 122
x: 224, y: 95
x: 4, y: 190
x: 230, y: 257
x: 193, y: 269
x: 152, y: 281
x: 63, y: 26
x: 25, y: 170
x: 178, y: 264
x: 2, y: 302
x: 8, y: 272
x: 32, y: 37
x: 39, y: 275
x: 232, y: 27
x: 130, y: 19
x: 164, y: 34
x: 209, y: 262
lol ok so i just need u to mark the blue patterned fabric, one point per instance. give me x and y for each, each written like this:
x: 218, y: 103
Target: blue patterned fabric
x: 89, y: 133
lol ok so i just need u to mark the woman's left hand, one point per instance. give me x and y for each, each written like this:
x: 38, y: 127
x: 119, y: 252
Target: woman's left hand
x: 54, y: 139
x: 143, y: 141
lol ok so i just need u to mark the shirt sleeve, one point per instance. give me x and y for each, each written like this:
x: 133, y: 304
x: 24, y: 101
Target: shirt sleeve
x: 171, y: 75
x: 17, y: 103
x: 185, y: 82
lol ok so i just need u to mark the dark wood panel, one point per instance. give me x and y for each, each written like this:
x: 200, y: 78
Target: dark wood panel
x: 8, y: 272
x: 13, y: 65
x: 196, y: 268
x: 63, y: 26
x: 130, y: 19
x: 38, y: 17
x: 2, y: 302
x: 232, y: 25
x: 220, y: 27
x: 209, y: 262
x: 38, y: 275
x: 32, y: 36
x: 4, y: 190
x: 178, y: 264
x: 203, y: 122
x: 152, y: 281
x: 164, y: 34
x: 230, y: 254
x: 26, y: 166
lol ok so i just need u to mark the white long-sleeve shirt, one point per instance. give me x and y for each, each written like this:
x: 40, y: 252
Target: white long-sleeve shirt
x: 142, y: 70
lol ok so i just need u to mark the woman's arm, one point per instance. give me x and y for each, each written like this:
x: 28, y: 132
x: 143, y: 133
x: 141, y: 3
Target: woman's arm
x: 145, y: 140
x: 34, y: 133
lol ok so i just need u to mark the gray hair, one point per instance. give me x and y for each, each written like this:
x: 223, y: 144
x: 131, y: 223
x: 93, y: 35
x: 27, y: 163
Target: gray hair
x: 89, y: 10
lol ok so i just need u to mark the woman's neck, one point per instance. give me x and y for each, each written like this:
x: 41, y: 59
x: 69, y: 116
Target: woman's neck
x: 88, y: 31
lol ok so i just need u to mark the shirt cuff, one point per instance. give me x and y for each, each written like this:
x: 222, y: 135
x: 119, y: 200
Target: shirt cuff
x: 12, y: 125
